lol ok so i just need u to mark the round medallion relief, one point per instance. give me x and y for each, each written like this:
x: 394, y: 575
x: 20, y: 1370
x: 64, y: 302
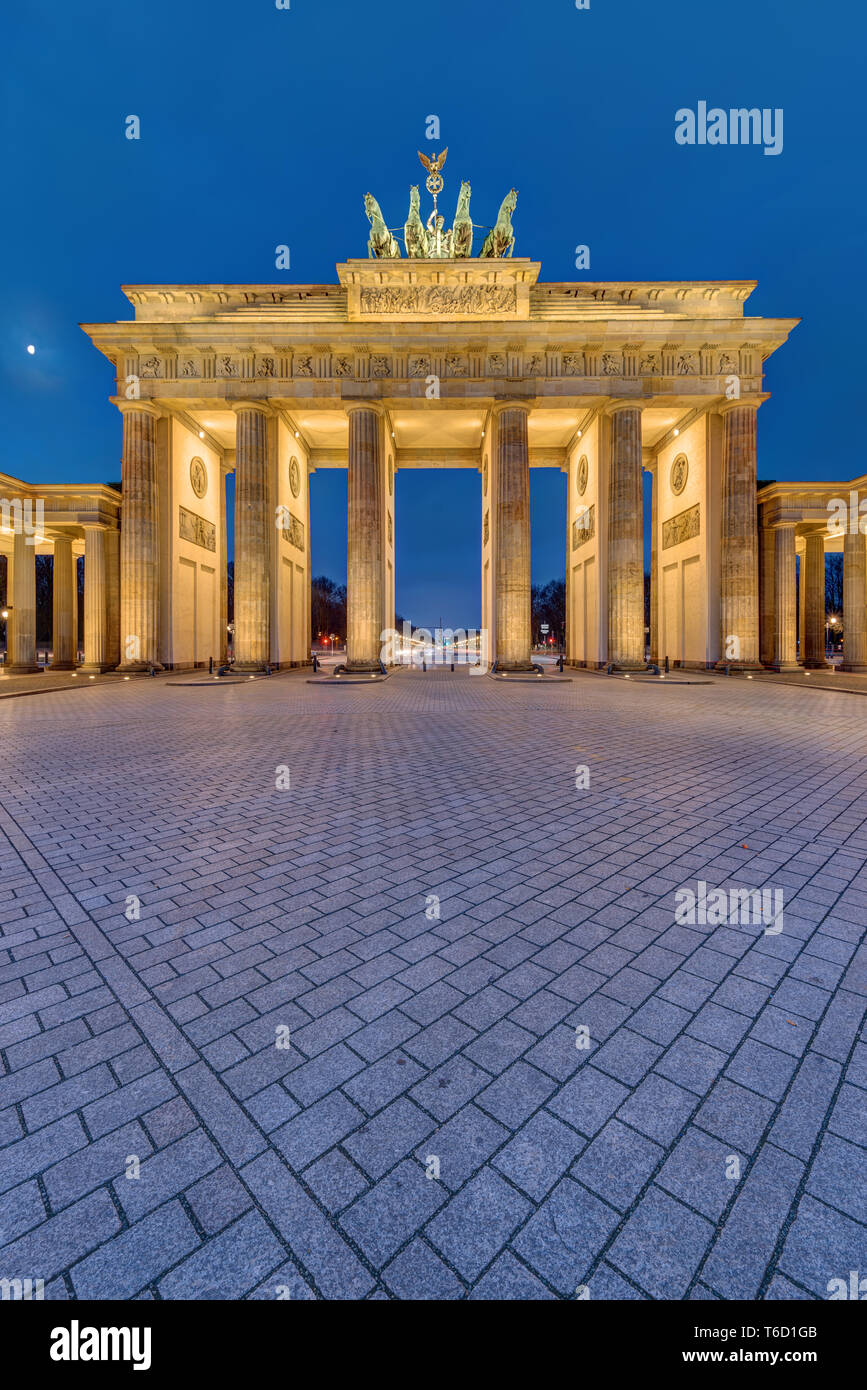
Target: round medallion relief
x: 583, y: 474
x: 198, y: 477
x: 679, y: 474
x: 294, y: 476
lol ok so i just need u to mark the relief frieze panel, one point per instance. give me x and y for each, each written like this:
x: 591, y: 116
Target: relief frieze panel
x: 685, y: 526
x: 197, y: 529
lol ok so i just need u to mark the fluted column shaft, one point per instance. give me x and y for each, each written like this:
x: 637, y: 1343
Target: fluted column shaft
x: 785, y: 614
x: 625, y: 542
x: 64, y: 606
x: 813, y: 575
x: 364, y: 546
x: 654, y: 567
x: 22, y: 619
x: 252, y: 541
x: 224, y: 572
x: 96, y: 653
x: 854, y: 601
x: 739, y: 568
x: 139, y: 543
x: 512, y: 521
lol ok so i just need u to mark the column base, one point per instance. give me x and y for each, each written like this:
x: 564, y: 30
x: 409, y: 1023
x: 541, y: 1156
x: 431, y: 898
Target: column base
x: 251, y: 668
x: 783, y: 666
x: 738, y: 666
x: 135, y: 668
x: 818, y: 666
x: 854, y: 667
x: 96, y: 668
x: 63, y: 666
x: 22, y: 670
x: 361, y: 668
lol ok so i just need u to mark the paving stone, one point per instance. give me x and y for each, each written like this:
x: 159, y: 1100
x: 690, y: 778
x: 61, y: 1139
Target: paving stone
x: 839, y: 1177
x: 697, y: 1172
x: 538, y: 1156
x: 315, y: 1129
x: 94, y: 1165
x: 514, y: 1096
x: 562, y: 1239
x: 449, y: 1087
x: 462, y: 1145
x: 217, y: 1199
x: 392, y: 1211
x: 335, y: 1269
x: 692, y: 1064
x: 229, y: 1266
x: 735, y: 1115
x: 382, y: 1082
x: 417, y: 1273
x: 658, y: 1108
x: 741, y: 1255
x: 803, y: 1112
x: 822, y: 1245
x: 617, y: 1164
x: 335, y: 1180
x: 61, y: 1240
x: 661, y: 1245
x: 378, y: 1143
x: 477, y: 1223
x: 588, y: 1100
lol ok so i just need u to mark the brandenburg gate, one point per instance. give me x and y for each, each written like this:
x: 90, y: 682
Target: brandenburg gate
x: 445, y: 359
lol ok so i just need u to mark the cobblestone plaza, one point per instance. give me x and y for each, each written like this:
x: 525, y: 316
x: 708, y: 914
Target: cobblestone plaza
x: 384, y: 992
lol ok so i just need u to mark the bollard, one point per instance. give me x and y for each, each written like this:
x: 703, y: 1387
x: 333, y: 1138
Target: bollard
x: 666, y: 665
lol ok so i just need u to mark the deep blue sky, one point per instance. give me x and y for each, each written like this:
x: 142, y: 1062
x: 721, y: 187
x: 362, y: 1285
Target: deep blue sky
x: 262, y: 126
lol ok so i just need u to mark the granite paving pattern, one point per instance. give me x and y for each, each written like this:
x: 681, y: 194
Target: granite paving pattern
x: 423, y: 1024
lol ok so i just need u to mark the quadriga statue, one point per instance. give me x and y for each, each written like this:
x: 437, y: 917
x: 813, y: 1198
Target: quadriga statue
x: 380, y: 243
x: 500, y: 240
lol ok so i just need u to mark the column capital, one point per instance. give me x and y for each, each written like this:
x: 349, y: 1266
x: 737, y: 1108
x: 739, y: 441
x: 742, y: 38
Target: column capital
x: 518, y: 404
x: 744, y: 403
x: 263, y: 407
x: 144, y: 407
x: 615, y: 406
x: 351, y: 406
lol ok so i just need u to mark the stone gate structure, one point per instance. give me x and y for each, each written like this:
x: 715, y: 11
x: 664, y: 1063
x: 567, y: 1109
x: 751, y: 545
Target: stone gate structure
x: 440, y: 364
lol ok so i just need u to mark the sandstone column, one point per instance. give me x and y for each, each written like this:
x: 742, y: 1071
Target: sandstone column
x: 739, y: 567
x: 813, y: 597
x: 854, y: 601
x: 96, y: 654
x: 21, y: 642
x: 512, y: 521
x: 65, y: 606
x: 253, y: 522
x: 767, y: 571
x: 654, y: 566
x: 785, y: 622
x: 365, y: 548
x: 139, y: 540
x: 625, y: 542
x: 223, y: 647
